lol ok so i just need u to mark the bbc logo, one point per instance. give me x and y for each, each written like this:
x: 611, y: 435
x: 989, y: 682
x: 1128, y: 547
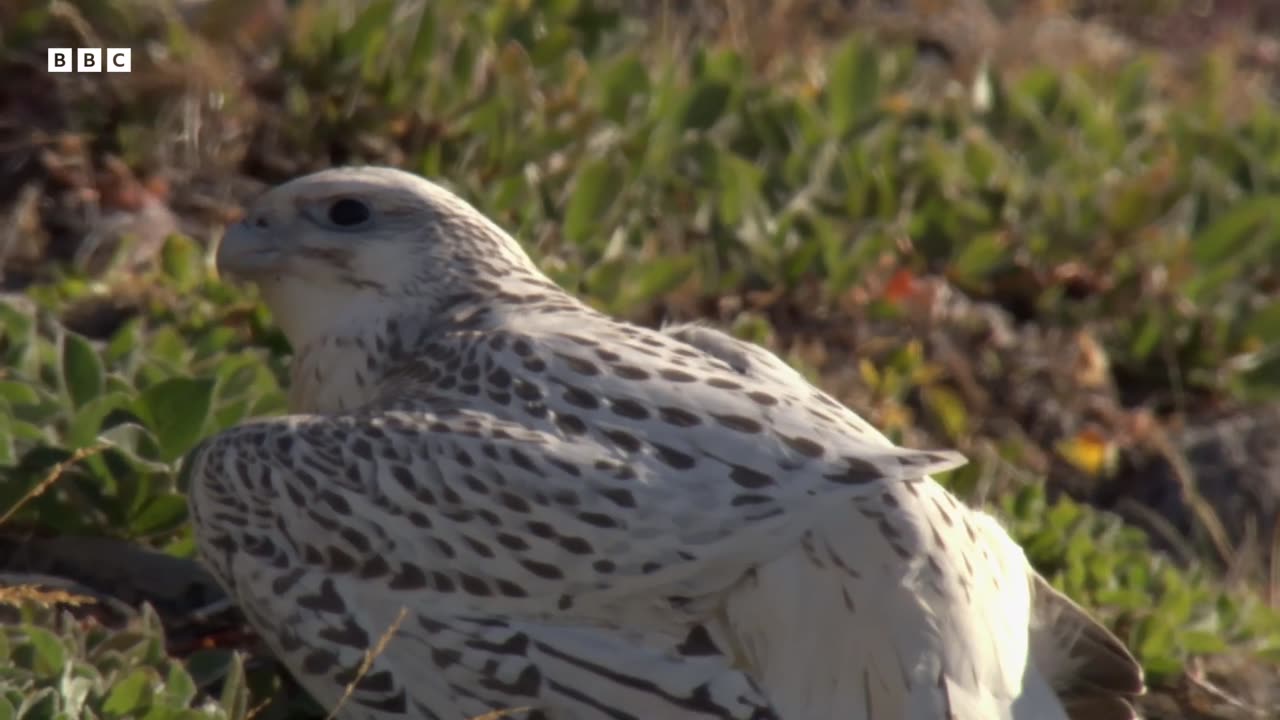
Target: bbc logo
x: 90, y: 59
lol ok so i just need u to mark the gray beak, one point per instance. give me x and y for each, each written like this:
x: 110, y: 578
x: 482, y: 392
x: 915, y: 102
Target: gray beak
x: 247, y: 252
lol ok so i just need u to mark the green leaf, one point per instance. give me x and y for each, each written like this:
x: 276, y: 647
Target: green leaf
x: 30, y: 432
x: 235, y: 693
x: 424, y: 40
x: 984, y: 253
x: 179, y: 688
x: 1265, y: 324
x: 595, y: 190
x: 6, y: 438
x: 651, y: 280
x: 208, y: 667
x: 81, y: 369
x: 168, y: 348
x: 1229, y: 232
x: 87, y: 422
x: 854, y: 85
x: 161, y: 514
x: 182, y: 262
x: 50, y: 656
x: 242, y: 375
x: 1147, y: 337
x: 137, y: 443
x: 129, y: 696
x: 1202, y: 642
x: 18, y: 393
x: 365, y: 34
x: 620, y: 86
x: 948, y: 407
x: 604, y: 278
x: 175, y: 410
x: 722, y: 63
x: 705, y: 105
x: 739, y: 181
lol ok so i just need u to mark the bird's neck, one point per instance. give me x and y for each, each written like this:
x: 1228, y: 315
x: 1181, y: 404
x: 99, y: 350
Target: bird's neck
x: 341, y: 369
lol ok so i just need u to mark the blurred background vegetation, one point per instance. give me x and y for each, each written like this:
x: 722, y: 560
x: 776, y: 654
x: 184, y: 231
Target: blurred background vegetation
x: 1044, y: 233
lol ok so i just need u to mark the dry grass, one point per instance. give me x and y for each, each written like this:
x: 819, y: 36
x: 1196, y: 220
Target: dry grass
x: 52, y: 477
x: 369, y: 656
x: 17, y: 595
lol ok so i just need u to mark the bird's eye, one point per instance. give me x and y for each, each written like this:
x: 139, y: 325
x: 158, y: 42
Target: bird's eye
x: 348, y: 212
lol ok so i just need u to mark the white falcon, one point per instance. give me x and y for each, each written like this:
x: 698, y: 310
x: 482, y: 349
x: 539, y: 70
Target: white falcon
x: 564, y: 514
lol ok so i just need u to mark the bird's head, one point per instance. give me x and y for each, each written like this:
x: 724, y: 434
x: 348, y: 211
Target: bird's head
x: 338, y: 246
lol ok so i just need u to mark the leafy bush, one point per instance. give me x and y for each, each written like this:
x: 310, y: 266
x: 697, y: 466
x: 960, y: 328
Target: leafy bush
x: 656, y: 179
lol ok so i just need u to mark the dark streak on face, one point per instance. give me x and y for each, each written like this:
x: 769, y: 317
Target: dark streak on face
x: 356, y: 282
x: 339, y: 258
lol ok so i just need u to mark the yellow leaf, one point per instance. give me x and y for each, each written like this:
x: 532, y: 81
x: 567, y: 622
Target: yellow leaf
x: 1088, y: 451
x: 948, y: 407
x: 869, y: 374
x: 898, y: 103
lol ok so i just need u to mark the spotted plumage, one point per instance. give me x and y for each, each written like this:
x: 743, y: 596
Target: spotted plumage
x: 588, y: 518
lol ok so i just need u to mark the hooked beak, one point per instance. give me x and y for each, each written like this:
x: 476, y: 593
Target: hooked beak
x: 247, y: 252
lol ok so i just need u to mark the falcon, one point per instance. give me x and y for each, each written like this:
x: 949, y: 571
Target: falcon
x: 488, y: 497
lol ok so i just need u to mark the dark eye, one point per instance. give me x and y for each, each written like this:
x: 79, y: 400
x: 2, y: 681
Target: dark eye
x: 347, y: 212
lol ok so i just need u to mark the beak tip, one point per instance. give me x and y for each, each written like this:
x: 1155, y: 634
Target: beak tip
x: 220, y: 253
x: 241, y: 253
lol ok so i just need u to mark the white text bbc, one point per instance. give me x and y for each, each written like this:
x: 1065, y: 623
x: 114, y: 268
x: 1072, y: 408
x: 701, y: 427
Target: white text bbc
x: 90, y: 59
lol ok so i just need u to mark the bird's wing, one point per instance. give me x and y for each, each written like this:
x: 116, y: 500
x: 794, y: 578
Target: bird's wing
x: 431, y: 661
x: 469, y: 491
x: 323, y: 527
x: 760, y: 365
x: 645, y: 398
x: 950, y: 607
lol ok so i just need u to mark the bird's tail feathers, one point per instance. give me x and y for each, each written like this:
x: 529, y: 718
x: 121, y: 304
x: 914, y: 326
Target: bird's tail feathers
x: 1090, y: 669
